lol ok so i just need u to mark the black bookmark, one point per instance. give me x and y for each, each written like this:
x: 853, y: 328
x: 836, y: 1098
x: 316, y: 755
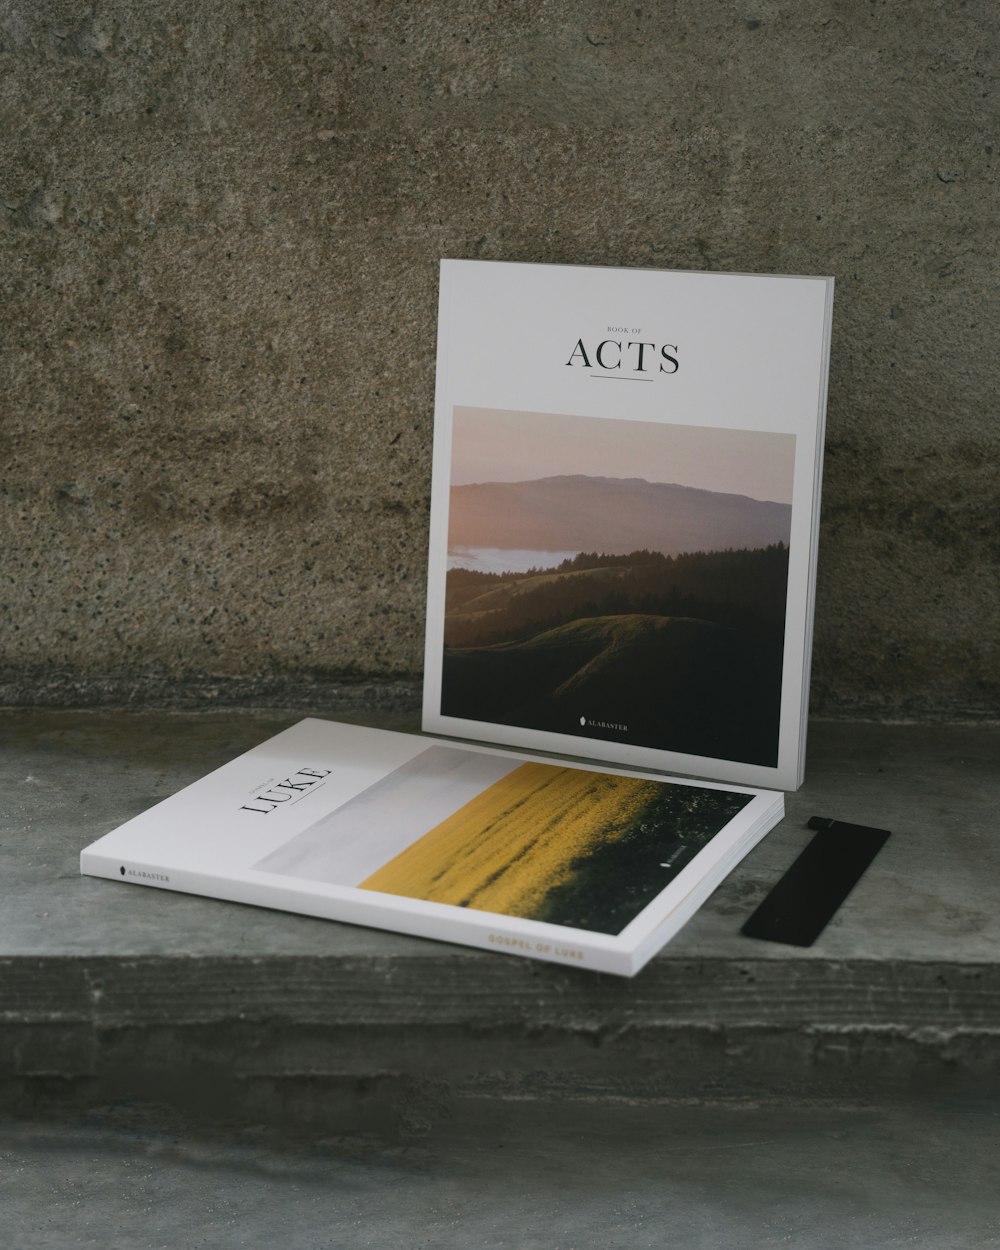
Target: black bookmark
x: 797, y: 909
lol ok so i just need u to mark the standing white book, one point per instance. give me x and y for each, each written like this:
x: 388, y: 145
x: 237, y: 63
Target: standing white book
x: 624, y: 514
x: 536, y: 857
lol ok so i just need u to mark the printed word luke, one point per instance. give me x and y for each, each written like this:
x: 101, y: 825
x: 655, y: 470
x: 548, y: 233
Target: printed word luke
x: 282, y: 791
x: 630, y: 354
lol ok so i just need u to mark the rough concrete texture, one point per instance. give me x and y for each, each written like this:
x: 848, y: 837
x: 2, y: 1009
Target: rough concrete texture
x: 522, y: 1176
x: 220, y: 231
x: 112, y: 994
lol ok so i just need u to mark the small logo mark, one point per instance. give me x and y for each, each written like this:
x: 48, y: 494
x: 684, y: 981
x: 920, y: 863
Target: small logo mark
x: 122, y: 870
x: 589, y: 723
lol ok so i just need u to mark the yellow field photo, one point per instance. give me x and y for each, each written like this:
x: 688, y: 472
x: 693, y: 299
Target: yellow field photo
x: 559, y: 844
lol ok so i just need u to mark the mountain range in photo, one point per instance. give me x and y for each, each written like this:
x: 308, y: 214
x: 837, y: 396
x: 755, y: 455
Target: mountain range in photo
x: 614, y: 515
x: 659, y: 622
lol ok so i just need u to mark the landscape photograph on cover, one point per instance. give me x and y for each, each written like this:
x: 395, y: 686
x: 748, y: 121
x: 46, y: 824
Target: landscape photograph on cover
x: 538, y: 841
x: 618, y: 580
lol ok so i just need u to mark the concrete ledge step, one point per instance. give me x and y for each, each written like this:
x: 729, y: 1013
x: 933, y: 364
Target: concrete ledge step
x: 108, y: 993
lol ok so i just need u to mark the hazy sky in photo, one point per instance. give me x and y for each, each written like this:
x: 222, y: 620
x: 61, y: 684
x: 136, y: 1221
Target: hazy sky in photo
x: 363, y: 835
x: 493, y: 445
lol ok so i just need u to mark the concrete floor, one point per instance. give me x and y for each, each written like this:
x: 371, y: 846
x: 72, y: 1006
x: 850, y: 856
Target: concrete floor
x: 524, y: 1176
x: 734, y: 1094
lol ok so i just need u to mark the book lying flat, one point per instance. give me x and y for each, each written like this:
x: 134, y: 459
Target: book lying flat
x: 624, y: 514
x: 577, y: 864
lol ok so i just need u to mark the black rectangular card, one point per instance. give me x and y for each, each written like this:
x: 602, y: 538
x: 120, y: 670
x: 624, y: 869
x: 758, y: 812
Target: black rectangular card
x: 798, y: 908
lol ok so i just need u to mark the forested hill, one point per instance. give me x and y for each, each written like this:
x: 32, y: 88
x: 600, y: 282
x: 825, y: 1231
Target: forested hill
x: 743, y: 588
x: 577, y: 512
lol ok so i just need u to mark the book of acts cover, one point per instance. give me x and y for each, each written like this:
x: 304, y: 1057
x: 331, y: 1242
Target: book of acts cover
x: 624, y: 514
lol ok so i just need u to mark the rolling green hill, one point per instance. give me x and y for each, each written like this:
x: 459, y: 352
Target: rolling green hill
x: 743, y: 588
x: 673, y: 683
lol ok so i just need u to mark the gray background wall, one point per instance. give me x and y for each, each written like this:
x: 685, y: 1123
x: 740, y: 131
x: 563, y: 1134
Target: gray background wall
x: 220, y: 226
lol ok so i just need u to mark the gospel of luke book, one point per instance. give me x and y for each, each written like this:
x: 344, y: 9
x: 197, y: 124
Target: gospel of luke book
x: 530, y: 856
x: 624, y: 514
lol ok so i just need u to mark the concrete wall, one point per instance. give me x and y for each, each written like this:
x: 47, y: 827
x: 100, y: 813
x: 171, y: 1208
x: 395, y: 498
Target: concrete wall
x: 220, y: 226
